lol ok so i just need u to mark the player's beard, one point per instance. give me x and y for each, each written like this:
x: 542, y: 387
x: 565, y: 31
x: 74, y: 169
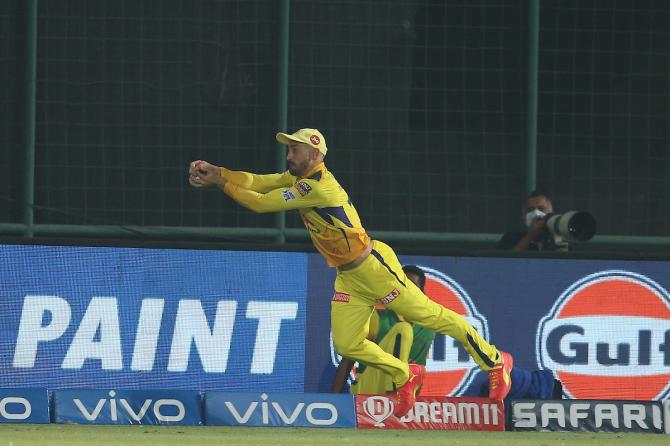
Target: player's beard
x: 298, y: 169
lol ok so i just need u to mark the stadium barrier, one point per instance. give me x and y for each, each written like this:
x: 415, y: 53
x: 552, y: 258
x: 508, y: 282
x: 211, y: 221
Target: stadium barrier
x: 588, y: 416
x: 242, y: 321
x: 431, y: 413
x: 93, y: 406
x: 281, y: 409
x: 27, y: 405
x: 183, y: 407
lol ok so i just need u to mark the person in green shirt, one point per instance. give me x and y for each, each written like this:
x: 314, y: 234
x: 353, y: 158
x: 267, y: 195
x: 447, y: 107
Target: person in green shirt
x: 396, y: 335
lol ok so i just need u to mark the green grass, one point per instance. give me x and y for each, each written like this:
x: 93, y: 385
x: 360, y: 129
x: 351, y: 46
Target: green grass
x: 75, y: 435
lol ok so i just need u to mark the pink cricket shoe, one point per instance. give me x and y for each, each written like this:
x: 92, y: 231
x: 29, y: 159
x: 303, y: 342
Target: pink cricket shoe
x: 500, y: 381
x: 407, y: 392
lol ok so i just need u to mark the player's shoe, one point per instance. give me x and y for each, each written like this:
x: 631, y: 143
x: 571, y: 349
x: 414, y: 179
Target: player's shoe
x: 500, y: 381
x: 407, y: 392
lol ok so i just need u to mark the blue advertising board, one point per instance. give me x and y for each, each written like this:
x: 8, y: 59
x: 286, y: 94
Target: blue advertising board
x: 587, y: 321
x: 139, y: 318
x: 279, y: 409
x: 24, y: 405
x: 95, y: 406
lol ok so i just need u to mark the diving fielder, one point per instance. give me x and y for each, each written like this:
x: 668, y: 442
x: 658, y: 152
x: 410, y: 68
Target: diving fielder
x: 368, y: 271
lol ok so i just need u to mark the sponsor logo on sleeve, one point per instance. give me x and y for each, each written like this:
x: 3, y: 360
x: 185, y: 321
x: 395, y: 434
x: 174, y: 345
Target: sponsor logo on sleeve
x: 288, y: 195
x: 303, y: 188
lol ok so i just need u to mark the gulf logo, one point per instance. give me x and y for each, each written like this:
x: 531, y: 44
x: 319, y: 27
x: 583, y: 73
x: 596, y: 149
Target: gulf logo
x: 608, y: 337
x: 449, y: 368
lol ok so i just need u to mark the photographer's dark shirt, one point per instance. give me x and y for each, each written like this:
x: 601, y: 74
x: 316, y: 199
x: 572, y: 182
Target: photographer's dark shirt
x: 510, y: 239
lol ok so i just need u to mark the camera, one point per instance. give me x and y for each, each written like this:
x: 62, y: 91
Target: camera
x: 572, y: 226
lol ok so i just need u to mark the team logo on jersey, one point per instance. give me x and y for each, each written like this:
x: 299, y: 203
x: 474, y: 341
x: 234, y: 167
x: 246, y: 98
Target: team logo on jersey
x: 303, y: 188
x: 449, y: 368
x: 608, y: 337
x: 288, y: 195
x: 315, y: 140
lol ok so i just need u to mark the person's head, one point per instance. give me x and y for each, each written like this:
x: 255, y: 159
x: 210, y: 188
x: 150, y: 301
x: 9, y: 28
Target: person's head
x: 306, y: 148
x: 536, y: 204
x: 538, y: 200
x: 416, y: 275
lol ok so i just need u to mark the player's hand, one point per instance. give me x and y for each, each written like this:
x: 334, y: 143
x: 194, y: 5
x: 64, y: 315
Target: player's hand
x: 203, y: 174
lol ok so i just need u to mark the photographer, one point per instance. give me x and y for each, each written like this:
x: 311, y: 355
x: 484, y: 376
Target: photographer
x: 536, y: 237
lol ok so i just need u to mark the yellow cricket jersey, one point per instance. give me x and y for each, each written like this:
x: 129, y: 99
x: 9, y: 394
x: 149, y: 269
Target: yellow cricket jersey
x: 331, y: 219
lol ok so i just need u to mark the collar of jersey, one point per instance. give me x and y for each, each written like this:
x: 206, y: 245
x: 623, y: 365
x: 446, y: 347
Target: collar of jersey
x: 319, y: 167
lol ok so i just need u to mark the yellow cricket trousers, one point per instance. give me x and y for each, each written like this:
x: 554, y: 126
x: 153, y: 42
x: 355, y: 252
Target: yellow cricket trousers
x: 380, y: 280
x: 373, y: 381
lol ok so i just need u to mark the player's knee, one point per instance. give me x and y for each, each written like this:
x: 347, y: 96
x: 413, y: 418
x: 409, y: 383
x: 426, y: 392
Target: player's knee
x: 345, y: 347
x: 341, y: 348
x: 430, y: 320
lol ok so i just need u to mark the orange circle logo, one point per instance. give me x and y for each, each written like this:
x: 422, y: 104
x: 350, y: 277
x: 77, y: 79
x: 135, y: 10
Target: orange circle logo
x: 607, y: 337
x: 449, y: 368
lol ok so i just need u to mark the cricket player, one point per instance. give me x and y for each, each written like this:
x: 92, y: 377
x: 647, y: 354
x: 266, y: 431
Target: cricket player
x: 394, y: 334
x: 368, y: 271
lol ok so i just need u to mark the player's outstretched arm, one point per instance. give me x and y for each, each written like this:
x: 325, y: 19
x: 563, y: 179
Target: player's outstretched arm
x: 203, y: 174
x: 258, y: 183
x: 277, y: 200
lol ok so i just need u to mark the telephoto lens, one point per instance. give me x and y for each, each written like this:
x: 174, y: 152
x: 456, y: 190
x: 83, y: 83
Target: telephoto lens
x: 573, y: 226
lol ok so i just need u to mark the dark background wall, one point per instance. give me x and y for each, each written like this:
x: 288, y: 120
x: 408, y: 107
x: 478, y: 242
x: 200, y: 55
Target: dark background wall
x: 604, y: 123
x: 11, y: 62
x: 423, y: 104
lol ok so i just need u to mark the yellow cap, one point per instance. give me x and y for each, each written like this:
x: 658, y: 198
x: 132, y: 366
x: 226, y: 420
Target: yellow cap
x: 311, y: 137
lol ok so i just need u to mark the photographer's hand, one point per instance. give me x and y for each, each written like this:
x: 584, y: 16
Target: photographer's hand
x: 534, y: 232
x: 537, y: 227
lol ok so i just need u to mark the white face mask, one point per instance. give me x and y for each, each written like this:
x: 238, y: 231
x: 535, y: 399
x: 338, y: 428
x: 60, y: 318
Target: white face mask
x: 532, y: 215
